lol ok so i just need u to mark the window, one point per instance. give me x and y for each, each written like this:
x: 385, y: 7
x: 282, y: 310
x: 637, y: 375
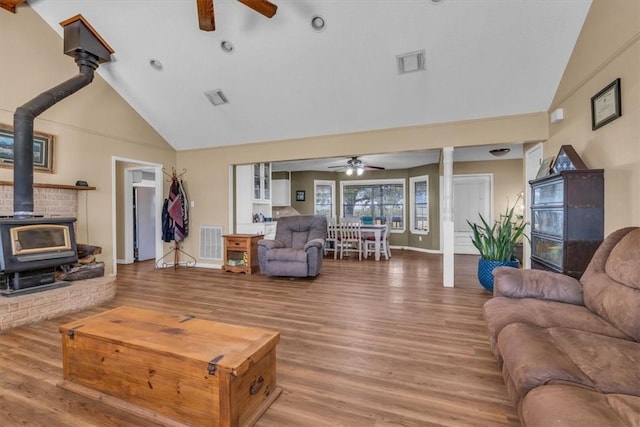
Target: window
x: 324, y: 198
x: 376, y: 199
x: 419, y: 195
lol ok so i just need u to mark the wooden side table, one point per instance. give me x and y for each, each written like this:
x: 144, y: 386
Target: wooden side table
x: 241, y: 253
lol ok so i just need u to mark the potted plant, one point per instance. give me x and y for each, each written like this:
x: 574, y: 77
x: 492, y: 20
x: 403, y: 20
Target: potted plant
x: 497, y: 243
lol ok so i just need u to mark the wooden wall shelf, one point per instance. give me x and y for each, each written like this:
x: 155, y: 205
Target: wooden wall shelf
x: 59, y: 186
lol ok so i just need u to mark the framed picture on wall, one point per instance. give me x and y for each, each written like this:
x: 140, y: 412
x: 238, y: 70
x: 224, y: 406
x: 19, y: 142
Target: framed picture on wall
x: 300, y: 196
x: 606, y: 105
x: 42, y: 149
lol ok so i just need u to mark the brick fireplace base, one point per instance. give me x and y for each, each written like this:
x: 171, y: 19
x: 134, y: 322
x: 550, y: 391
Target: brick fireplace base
x: 32, y: 308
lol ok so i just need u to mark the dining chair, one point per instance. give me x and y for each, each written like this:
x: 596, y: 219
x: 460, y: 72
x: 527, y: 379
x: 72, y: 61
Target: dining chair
x: 331, y: 243
x: 350, y: 239
x: 370, y: 242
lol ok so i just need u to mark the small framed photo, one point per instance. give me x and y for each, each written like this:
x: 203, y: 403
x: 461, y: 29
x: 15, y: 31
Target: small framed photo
x: 42, y: 149
x: 545, y: 168
x: 606, y: 105
x: 300, y: 196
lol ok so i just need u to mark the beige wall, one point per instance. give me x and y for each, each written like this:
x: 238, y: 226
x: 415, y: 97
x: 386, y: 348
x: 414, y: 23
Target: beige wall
x: 208, y: 168
x: 90, y: 127
x: 608, y: 48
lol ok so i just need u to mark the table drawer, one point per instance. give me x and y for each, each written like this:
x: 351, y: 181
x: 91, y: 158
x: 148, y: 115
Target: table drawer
x: 237, y: 243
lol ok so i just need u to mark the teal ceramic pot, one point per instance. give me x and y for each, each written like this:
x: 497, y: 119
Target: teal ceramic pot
x: 485, y: 271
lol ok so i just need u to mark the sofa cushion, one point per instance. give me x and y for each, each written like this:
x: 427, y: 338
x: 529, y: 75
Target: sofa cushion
x: 541, y: 284
x: 612, y: 364
x: 564, y: 405
x: 532, y: 358
x: 287, y: 254
x: 501, y: 311
x: 536, y: 356
x: 610, y: 283
x: 622, y: 264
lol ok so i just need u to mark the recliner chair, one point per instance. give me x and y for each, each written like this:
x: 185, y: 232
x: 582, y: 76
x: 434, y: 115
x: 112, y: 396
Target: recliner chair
x: 297, y: 250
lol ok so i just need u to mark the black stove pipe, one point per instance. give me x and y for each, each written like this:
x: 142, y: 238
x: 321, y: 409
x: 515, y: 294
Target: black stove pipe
x: 23, y: 131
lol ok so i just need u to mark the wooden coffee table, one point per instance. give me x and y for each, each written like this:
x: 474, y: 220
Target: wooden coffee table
x: 173, y: 368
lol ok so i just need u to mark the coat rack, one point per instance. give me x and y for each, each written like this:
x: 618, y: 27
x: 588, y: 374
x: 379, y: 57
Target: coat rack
x: 172, y: 224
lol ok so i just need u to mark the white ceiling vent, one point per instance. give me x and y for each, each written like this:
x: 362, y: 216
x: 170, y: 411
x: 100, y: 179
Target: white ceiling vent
x: 410, y: 62
x: 216, y: 97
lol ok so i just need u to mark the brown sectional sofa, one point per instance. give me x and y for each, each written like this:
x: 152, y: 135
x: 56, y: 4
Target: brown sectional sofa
x: 570, y: 350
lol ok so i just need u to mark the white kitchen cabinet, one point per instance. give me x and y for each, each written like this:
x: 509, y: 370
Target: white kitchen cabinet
x: 248, y: 186
x: 261, y: 182
x: 281, y: 192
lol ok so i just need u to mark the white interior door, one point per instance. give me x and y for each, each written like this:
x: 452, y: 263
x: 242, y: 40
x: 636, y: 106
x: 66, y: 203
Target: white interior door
x: 472, y: 195
x: 144, y: 225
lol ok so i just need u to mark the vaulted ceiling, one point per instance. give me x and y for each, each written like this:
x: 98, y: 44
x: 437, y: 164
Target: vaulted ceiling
x: 284, y: 80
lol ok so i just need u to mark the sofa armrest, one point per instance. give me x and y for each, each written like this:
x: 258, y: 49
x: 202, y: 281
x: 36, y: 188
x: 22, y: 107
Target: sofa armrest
x: 314, y: 243
x: 270, y: 244
x: 518, y: 283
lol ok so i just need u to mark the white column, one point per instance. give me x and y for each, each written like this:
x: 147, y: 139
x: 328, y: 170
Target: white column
x: 448, y: 237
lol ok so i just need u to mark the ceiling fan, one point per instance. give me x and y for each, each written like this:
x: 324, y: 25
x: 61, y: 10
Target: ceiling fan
x: 356, y: 165
x: 207, y: 21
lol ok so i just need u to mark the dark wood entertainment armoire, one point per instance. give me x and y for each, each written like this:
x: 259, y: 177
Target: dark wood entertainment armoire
x: 567, y: 220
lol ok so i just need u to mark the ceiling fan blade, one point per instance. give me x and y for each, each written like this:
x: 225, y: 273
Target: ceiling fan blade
x: 263, y: 7
x: 374, y: 167
x: 206, y: 20
x: 10, y: 5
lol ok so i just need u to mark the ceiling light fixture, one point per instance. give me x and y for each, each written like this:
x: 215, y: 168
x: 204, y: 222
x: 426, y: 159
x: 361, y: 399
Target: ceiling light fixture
x: 317, y: 23
x: 349, y: 170
x: 156, y: 65
x: 359, y: 170
x: 226, y: 46
x: 499, y: 152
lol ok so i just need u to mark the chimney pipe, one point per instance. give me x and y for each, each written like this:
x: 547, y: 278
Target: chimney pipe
x: 23, y: 131
x: 77, y: 34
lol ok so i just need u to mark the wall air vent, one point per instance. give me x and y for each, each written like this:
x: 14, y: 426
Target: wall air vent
x: 216, y: 97
x: 410, y: 62
x: 211, y: 242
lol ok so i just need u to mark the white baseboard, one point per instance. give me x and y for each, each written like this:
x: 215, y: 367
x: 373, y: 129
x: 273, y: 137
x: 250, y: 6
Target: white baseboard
x: 411, y: 248
x: 199, y: 265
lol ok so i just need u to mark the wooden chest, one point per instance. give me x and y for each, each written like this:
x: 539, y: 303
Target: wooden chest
x: 195, y: 371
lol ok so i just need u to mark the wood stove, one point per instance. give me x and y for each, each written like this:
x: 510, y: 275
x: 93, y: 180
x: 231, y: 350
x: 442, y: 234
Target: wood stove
x: 30, y: 251
x: 32, y: 247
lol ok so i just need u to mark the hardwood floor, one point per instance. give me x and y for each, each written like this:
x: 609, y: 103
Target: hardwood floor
x: 364, y: 344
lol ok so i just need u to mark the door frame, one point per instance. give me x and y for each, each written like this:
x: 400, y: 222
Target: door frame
x: 534, y: 154
x: 128, y: 208
x: 471, y: 177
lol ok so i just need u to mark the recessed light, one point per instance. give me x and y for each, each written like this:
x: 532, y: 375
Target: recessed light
x: 227, y: 46
x: 436, y: 1
x: 318, y: 23
x: 156, y: 65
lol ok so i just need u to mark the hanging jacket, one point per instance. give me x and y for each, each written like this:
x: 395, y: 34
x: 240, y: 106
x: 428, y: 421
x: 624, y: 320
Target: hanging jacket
x: 167, y: 223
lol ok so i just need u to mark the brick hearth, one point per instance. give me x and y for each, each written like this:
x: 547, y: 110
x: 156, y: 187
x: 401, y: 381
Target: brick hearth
x: 32, y: 308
